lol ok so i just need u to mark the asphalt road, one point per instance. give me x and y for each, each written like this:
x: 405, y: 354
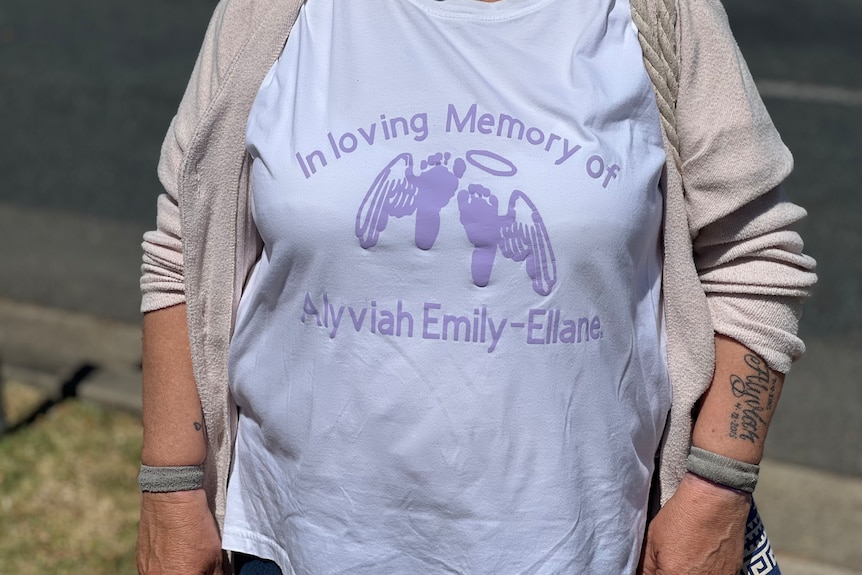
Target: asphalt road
x: 88, y: 88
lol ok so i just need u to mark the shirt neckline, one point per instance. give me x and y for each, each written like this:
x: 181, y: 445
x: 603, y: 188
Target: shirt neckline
x: 478, y: 10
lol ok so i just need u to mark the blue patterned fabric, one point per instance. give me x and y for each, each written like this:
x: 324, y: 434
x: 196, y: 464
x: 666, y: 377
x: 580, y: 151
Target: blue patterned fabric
x: 759, y: 558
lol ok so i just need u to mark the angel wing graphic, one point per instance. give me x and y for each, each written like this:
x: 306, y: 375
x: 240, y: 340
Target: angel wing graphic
x: 520, y: 235
x: 399, y: 191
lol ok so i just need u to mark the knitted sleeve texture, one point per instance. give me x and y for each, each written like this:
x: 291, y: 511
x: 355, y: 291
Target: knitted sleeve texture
x: 747, y: 254
x: 162, y: 272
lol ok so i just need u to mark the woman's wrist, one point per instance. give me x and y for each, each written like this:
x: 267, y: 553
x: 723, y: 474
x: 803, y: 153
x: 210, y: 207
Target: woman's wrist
x: 706, y: 488
x: 179, y: 449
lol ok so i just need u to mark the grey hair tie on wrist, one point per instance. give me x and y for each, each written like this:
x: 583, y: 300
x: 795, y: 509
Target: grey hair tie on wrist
x: 723, y: 470
x: 169, y: 479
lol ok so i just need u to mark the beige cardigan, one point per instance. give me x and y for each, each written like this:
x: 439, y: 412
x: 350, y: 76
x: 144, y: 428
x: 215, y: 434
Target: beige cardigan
x: 731, y: 265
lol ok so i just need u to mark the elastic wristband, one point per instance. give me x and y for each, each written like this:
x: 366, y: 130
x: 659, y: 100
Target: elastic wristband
x: 723, y: 471
x: 169, y: 479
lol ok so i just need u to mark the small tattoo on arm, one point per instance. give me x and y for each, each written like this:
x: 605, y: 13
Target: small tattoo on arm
x: 755, y: 393
x: 198, y: 426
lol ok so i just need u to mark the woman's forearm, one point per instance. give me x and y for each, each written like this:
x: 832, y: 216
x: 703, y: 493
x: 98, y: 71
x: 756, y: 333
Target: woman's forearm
x: 737, y: 408
x: 173, y: 424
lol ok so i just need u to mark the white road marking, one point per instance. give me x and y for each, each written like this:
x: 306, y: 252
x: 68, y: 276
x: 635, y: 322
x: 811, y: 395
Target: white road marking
x: 809, y: 93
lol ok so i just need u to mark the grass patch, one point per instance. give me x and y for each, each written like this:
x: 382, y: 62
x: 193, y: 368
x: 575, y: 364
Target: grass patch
x: 68, y: 492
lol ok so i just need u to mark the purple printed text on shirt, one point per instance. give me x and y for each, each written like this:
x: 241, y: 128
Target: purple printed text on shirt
x: 429, y: 321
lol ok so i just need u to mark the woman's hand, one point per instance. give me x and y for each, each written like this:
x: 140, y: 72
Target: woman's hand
x: 699, y: 531
x: 177, y: 535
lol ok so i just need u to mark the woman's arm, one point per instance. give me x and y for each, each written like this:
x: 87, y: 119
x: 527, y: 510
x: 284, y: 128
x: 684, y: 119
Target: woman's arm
x: 173, y: 425
x: 177, y: 533
x: 701, y: 529
x: 738, y: 406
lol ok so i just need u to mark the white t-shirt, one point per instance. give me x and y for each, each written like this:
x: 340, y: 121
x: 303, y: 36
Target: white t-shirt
x: 450, y: 358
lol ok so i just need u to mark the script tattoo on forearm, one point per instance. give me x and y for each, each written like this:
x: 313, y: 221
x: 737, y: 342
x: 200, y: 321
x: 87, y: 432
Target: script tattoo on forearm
x: 755, y: 392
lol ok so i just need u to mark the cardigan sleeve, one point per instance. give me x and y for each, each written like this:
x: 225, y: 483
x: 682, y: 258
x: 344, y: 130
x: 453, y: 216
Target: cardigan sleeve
x: 748, y: 256
x: 162, y: 271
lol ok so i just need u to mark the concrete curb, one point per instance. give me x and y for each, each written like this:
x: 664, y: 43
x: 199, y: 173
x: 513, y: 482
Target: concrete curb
x: 111, y: 387
x: 50, y: 348
x: 794, y: 566
x: 813, y: 518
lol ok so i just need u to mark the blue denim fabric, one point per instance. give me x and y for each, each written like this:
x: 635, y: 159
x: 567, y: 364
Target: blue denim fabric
x: 250, y: 565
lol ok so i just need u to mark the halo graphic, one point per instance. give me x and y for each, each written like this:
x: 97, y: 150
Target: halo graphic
x: 490, y: 168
